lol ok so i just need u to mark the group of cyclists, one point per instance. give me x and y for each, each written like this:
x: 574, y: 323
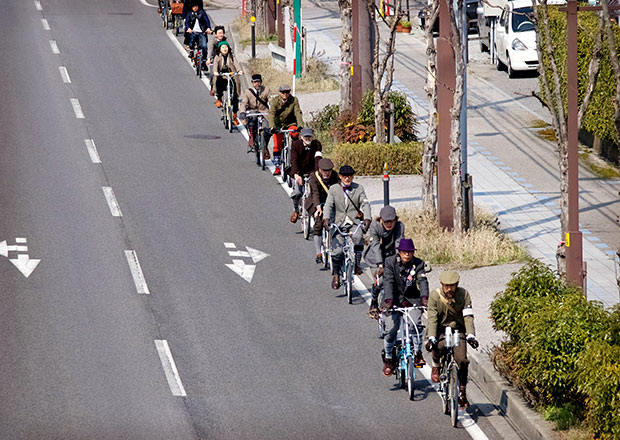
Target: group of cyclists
x: 335, y: 200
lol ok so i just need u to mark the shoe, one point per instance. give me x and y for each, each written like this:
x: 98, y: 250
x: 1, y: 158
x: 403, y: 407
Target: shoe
x: 358, y: 270
x: 235, y: 120
x: 218, y: 103
x: 463, y: 402
x: 418, y: 360
x: 276, y: 171
x: 191, y: 54
x: 387, y: 367
x: 294, y: 216
x: 318, y: 259
x: 435, y: 374
x: 336, y: 282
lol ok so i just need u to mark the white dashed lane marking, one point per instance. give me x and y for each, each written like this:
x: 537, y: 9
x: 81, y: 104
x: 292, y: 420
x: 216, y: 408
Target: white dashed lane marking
x: 45, y: 24
x: 92, y: 151
x: 64, y: 74
x: 54, y: 47
x: 37, y: 4
x: 112, y: 203
x: 77, y: 108
x: 170, y: 368
x: 136, y: 272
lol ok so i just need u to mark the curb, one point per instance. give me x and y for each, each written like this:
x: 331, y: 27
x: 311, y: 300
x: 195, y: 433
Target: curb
x: 520, y: 414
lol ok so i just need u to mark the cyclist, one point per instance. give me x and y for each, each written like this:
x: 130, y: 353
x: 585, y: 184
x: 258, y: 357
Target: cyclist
x: 346, y: 206
x: 383, y: 237
x: 255, y: 99
x: 197, y: 25
x: 305, y: 155
x: 450, y: 306
x: 225, y: 63
x: 405, y: 285
x: 320, y: 182
x: 220, y: 35
x: 284, y: 111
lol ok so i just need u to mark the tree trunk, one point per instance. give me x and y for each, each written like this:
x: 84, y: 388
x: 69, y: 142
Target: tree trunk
x: 261, y: 18
x: 455, y: 119
x: 346, y: 56
x: 430, y: 142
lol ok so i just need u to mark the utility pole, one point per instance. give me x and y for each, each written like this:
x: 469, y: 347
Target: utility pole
x: 446, y: 82
x: 363, y: 37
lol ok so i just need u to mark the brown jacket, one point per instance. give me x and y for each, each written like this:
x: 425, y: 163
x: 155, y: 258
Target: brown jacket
x: 318, y: 195
x: 305, y: 161
x: 227, y: 63
x: 250, y: 103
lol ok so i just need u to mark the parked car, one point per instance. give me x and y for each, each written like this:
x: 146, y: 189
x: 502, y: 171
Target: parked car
x: 486, y: 14
x: 472, y: 17
x: 515, y: 38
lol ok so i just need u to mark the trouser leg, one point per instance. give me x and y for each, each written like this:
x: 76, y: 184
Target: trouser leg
x: 337, y: 253
x: 392, y: 322
x: 460, y: 356
x: 317, y: 243
x: 296, y: 195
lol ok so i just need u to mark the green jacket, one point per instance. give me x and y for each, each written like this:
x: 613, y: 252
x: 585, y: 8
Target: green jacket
x: 283, y: 115
x: 460, y: 318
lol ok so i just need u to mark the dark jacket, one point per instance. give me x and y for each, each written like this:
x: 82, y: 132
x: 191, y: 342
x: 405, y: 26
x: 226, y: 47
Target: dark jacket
x: 318, y: 195
x: 215, y: 50
x: 305, y: 160
x: 402, y: 282
x: 201, y: 16
x: 284, y: 114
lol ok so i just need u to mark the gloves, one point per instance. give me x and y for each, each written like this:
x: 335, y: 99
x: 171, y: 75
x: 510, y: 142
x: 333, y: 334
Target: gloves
x: 326, y: 223
x: 471, y: 340
x: 366, y: 225
x: 379, y: 272
x: 389, y: 303
x: 424, y: 300
x: 431, y: 343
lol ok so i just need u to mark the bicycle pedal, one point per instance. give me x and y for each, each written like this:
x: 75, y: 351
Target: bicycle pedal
x: 442, y: 377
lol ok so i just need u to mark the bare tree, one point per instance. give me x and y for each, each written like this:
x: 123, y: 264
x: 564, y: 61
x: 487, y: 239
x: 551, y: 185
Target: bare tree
x: 430, y: 142
x: 552, y: 98
x: 383, y: 68
x: 261, y: 18
x: 346, y: 55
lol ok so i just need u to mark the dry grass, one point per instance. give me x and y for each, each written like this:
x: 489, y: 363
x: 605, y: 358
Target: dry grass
x: 599, y: 166
x: 315, y: 79
x: 484, y: 245
x: 243, y: 31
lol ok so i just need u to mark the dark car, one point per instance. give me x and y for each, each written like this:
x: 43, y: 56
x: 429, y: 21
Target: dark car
x: 472, y: 17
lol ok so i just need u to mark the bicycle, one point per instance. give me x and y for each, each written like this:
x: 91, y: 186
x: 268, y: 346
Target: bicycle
x: 197, y: 60
x: 227, y: 107
x: 448, y: 376
x: 259, y: 141
x: 306, y: 219
x: 286, y: 156
x: 326, y: 245
x: 346, y: 268
x: 405, y: 367
x: 176, y: 15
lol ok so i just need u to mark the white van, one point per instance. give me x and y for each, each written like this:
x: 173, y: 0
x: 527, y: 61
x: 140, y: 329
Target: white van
x: 515, y: 38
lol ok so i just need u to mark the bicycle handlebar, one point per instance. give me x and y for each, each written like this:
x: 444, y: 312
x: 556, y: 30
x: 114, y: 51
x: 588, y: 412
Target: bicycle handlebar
x: 256, y: 114
x: 407, y: 309
x: 335, y: 226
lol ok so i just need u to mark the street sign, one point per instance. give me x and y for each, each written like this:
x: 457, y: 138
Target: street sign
x: 240, y: 267
x: 22, y: 260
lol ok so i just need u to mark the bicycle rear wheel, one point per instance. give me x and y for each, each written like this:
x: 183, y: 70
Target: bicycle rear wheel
x: 198, y: 61
x: 410, y: 378
x: 453, y: 393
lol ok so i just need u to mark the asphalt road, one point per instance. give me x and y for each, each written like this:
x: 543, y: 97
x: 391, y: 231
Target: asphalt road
x: 280, y: 357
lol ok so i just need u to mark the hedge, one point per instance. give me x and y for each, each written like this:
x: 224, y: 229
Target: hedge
x: 368, y: 158
x: 599, y: 119
x: 562, y: 349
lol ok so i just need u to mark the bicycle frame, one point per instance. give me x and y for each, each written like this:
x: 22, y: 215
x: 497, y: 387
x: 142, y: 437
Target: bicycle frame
x: 259, y: 142
x: 448, y: 378
x: 306, y: 220
x: 405, y: 368
x: 286, y: 154
x: 227, y: 107
x: 346, y: 268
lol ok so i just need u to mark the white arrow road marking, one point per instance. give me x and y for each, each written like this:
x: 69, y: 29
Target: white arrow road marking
x: 25, y: 265
x: 170, y: 368
x: 256, y: 254
x: 5, y: 249
x: 239, y: 254
x: 229, y: 245
x: 245, y: 271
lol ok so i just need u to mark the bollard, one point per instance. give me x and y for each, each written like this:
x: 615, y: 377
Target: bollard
x: 386, y: 185
x: 253, y: 30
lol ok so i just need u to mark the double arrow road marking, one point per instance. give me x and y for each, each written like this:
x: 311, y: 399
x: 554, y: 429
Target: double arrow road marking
x: 22, y: 262
x: 238, y: 266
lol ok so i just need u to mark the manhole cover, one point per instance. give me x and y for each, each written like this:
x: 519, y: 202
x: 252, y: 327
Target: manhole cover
x: 202, y: 136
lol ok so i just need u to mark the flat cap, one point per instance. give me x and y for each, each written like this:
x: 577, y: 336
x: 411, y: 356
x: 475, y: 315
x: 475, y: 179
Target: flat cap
x: 346, y: 170
x: 449, y: 277
x: 387, y: 213
x: 285, y: 88
x: 257, y: 77
x: 326, y: 164
x: 307, y: 132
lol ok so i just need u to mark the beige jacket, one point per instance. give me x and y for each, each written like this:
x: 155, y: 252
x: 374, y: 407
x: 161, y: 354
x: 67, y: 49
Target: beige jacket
x: 226, y: 64
x: 249, y: 102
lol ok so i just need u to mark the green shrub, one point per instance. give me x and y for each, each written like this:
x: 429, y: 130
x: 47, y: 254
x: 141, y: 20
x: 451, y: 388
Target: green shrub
x: 599, y: 369
x: 564, y: 417
x: 404, y: 120
x: 368, y: 158
x: 599, y: 118
x: 323, y: 120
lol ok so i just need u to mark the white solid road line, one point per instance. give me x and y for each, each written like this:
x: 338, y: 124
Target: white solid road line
x: 112, y: 202
x: 54, y: 47
x: 77, y: 108
x: 64, y: 74
x: 170, y: 368
x: 147, y: 4
x: 45, y: 24
x: 37, y: 4
x: 136, y: 272
x: 92, y: 151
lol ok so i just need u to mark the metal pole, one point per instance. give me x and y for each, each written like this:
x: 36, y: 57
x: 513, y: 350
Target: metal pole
x: 465, y: 187
x: 573, y: 239
x: 386, y: 185
x: 253, y: 33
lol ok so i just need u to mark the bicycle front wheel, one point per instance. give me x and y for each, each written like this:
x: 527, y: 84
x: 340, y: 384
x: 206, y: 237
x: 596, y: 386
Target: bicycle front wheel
x: 410, y: 378
x: 349, y: 282
x: 401, y: 374
x: 453, y: 394
x: 230, y: 118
